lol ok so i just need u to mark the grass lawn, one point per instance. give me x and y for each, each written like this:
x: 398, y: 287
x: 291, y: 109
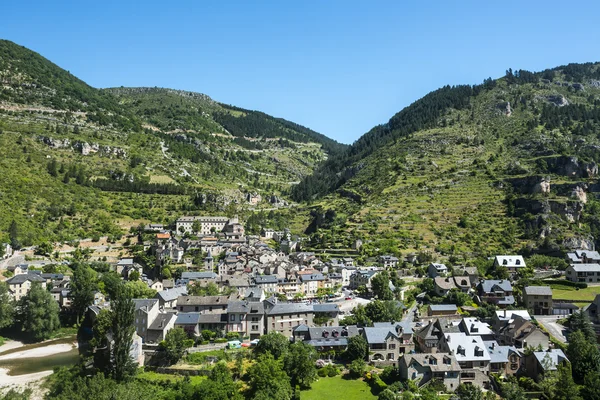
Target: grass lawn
x: 580, y: 295
x: 338, y: 388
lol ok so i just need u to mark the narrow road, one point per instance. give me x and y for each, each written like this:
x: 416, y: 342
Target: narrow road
x: 553, y: 327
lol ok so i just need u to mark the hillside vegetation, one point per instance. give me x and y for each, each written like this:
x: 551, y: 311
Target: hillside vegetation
x: 78, y: 161
x: 509, y: 165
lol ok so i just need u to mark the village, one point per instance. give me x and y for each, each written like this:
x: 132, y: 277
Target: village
x: 452, y: 326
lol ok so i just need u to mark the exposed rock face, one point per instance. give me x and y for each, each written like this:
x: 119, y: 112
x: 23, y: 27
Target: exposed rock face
x: 579, y: 193
x: 55, y: 143
x: 577, y: 86
x: 572, y: 167
x: 558, y: 100
x: 504, y: 108
x: 579, y: 243
x: 278, y: 201
x: 531, y: 184
x: 84, y: 147
x: 569, y: 210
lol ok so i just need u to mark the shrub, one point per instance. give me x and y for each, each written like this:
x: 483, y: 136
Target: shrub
x: 357, y: 368
x: 328, y: 370
x: 564, y: 282
x: 221, y: 340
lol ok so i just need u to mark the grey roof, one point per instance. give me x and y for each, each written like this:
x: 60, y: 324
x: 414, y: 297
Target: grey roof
x: 586, y: 267
x: 378, y: 334
x: 212, y: 318
x: 443, y: 362
x: 510, y: 261
x: 508, y: 300
x: 405, y: 325
x: 22, y: 278
x: 161, y: 321
x: 237, y: 307
x: 491, y: 285
x: 171, y: 294
x: 538, y: 290
x: 326, y: 307
x: 125, y: 261
x: 312, y: 277
x: 339, y: 341
x: 290, y: 308
x: 202, y: 300
x: 499, y: 354
x: 54, y: 277
x: 553, y: 357
x: 146, y: 304
x: 301, y: 328
x: 188, y: 318
x: 198, y: 275
x: 256, y: 308
x: 265, y: 279
x: 388, y: 258
x: 329, y: 332
x: 443, y: 307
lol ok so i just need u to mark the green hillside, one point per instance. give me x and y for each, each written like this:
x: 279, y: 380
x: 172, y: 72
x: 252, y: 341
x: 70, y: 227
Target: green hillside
x: 509, y: 165
x: 77, y: 161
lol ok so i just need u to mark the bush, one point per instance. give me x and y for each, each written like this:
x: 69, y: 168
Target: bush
x: 357, y: 368
x: 377, y: 385
x: 564, y: 282
x: 221, y: 340
x: 328, y: 370
x: 232, y: 335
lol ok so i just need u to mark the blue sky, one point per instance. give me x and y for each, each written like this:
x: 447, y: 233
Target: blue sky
x: 338, y: 67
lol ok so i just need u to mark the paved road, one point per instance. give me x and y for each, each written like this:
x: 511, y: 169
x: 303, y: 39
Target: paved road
x: 555, y: 329
x: 410, y: 314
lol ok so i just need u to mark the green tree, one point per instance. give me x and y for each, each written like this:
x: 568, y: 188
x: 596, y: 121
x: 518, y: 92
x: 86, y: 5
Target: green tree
x: 13, y: 394
x: 565, y: 388
x: 357, y: 368
x: 273, y: 343
x: 139, y: 290
x: 218, y: 386
x: 39, y: 313
x: 380, y: 285
x: 122, y: 315
x: 387, y: 394
x: 7, y: 307
x: 299, y: 364
x: 44, y: 249
x: 357, y: 348
x: 584, y: 356
x: 83, y: 287
x: 267, y: 380
x: 579, y: 321
x: 469, y: 392
x: 13, y: 234
x: 591, y: 386
x: 512, y: 391
x: 175, y: 343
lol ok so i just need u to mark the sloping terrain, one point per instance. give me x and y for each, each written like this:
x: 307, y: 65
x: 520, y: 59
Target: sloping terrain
x: 508, y: 165
x: 78, y: 161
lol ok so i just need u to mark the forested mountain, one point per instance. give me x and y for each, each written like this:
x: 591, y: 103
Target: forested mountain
x: 78, y: 161
x: 507, y: 165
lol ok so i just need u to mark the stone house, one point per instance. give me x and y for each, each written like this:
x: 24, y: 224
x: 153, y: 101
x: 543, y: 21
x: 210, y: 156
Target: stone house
x: 325, y: 339
x: 19, y: 285
x: 512, y: 263
x: 583, y: 257
x: 167, y: 299
x: 436, y: 269
x: 284, y: 317
x: 362, y: 278
x: 539, y: 362
x: 203, y: 304
x: 522, y: 333
x: 158, y: 329
x: 472, y: 356
x: 589, y: 273
x: 384, y: 344
x: 424, y: 368
x: 146, y: 311
x: 442, y: 310
x: 388, y: 261
x: 499, y: 292
x: 505, y: 360
x: 538, y: 299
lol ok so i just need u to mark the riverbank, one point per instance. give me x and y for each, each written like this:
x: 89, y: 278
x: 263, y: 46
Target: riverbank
x: 25, y: 366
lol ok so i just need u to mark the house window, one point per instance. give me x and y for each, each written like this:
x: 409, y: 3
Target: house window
x: 392, y: 346
x: 232, y: 317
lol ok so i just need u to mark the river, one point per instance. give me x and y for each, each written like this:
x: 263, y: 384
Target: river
x: 34, y: 358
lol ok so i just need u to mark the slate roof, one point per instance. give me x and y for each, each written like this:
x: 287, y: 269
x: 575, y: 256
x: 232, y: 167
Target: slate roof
x: 475, y: 327
x: 586, y: 267
x: 335, y: 342
x: 499, y: 354
x: 378, y: 335
x: 464, y: 347
x: 444, y: 283
x: 265, y: 279
x: 538, y: 290
x: 553, y: 357
x: 201, y: 300
x: 198, y: 275
x: 326, y: 307
x: 172, y: 294
x: 237, y: 307
x: 491, y: 285
x: 312, y: 277
x: 290, y: 308
x: 507, y: 315
x: 405, y: 325
x: 443, y: 307
x: 188, y: 318
x: 426, y: 360
x: 145, y: 304
x: 54, y: 277
x: 22, y: 278
x: 161, y: 321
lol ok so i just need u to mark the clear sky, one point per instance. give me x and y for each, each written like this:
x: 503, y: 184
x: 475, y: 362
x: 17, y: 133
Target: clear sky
x: 338, y: 67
